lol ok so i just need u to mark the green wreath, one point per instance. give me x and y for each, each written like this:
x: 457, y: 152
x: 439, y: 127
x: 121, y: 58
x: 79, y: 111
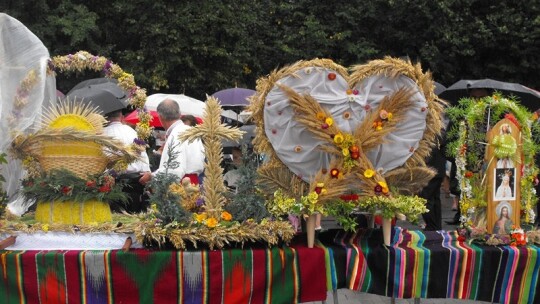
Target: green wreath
x: 468, y: 148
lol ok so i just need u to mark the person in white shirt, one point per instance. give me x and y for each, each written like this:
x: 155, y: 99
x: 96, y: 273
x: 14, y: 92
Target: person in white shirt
x: 189, y: 155
x: 138, y: 200
x: 116, y: 129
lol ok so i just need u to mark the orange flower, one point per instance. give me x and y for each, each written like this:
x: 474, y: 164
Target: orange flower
x: 211, y: 222
x: 321, y: 116
x: 226, y: 216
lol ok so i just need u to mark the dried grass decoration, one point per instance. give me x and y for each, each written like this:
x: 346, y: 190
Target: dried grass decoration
x: 69, y: 143
x: 347, y: 137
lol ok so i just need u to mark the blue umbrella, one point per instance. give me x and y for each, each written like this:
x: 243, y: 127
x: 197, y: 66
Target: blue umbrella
x: 234, y: 97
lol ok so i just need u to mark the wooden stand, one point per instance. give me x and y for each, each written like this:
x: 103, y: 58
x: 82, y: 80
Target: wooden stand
x: 310, y: 229
x: 387, y: 230
x: 7, y: 242
x: 127, y: 244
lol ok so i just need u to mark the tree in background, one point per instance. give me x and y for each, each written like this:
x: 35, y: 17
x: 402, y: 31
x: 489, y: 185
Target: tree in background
x: 199, y: 47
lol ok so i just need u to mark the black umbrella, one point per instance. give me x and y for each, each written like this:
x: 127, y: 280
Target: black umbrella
x: 526, y: 96
x: 439, y: 88
x: 101, y: 92
x: 246, y: 139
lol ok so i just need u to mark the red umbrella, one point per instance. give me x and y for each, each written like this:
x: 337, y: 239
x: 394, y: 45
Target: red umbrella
x: 133, y: 118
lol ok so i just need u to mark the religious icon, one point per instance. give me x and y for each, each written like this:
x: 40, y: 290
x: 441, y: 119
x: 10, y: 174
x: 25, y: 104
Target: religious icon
x: 505, y: 146
x: 504, y: 223
x: 504, y: 186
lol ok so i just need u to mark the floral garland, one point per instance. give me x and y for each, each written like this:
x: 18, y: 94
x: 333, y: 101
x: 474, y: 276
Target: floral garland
x: 63, y: 185
x: 3, y: 194
x: 83, y: 60
x: 472, y: 114
x: 409, y: 206
x: 517, y: 237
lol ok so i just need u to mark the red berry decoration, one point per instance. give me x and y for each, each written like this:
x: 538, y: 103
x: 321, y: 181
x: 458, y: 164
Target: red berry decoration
x: 332, y: 76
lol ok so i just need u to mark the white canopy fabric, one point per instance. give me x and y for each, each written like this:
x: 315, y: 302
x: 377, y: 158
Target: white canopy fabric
x: 300, y: 150
x: 25, y: 90
x: 188, y: 105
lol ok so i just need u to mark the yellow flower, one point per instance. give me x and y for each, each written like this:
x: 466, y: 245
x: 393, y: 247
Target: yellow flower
x: 320, y: 185
x: 329, y: 121
x: 211, y: 222
x: 378, y: 128
x: 323, y: 191
x: 226, y: 216
x: 45, y: 227
x: 369, y: 173
x: 313, y: 196
x: 390, y: 115
x: 345, y: 151
x: 383, y: 184
x: 338, y: 138
x: 200, y: 217
x: 321, y: 116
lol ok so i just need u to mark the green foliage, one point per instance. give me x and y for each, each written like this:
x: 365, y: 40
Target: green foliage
x: 344, y: 213
x: 248, y: 202
x: 167, y: 202
x: 62, y: 185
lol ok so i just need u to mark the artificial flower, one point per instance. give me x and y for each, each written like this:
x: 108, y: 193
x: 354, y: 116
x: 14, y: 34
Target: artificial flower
x: 321, y: 116
x: 329, y: 121
x: 226, y: 216
x: 345, y: 151
x: 200, y: 217
x: 211, y: 222
x: 369, y: 173
x: 338, y: 138
x: 383, y: 114
x: 334, y: 173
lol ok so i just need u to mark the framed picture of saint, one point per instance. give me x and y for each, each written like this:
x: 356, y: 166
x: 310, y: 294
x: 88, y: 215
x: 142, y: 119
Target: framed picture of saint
x: 504, y: 223
x: 504, y: 187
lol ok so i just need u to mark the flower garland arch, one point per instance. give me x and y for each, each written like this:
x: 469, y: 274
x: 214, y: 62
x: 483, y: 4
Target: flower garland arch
x: 83, y: 60
x: 475, y: 117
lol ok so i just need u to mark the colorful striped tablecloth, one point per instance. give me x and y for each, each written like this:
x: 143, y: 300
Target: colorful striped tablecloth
x: 433, y: 265
x: 250, y: 275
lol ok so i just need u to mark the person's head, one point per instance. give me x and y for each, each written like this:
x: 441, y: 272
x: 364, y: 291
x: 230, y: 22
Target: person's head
x: 478, y: 93
x: 114, y: 116
x: 189, y: 120
x: 506, y: 180
x: 168, y: 112
x: 237, y: 155
x: 504, y: 211
x: 505, y: 129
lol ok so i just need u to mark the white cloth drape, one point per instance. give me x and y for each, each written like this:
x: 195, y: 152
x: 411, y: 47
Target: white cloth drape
x: 21, y: 54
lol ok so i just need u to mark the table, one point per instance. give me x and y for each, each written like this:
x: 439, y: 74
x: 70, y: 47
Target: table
x: 433, y: 265
x: 257, y: 274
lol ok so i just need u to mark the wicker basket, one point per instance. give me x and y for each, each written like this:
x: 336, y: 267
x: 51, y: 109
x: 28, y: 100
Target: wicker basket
x: 83, y: 158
